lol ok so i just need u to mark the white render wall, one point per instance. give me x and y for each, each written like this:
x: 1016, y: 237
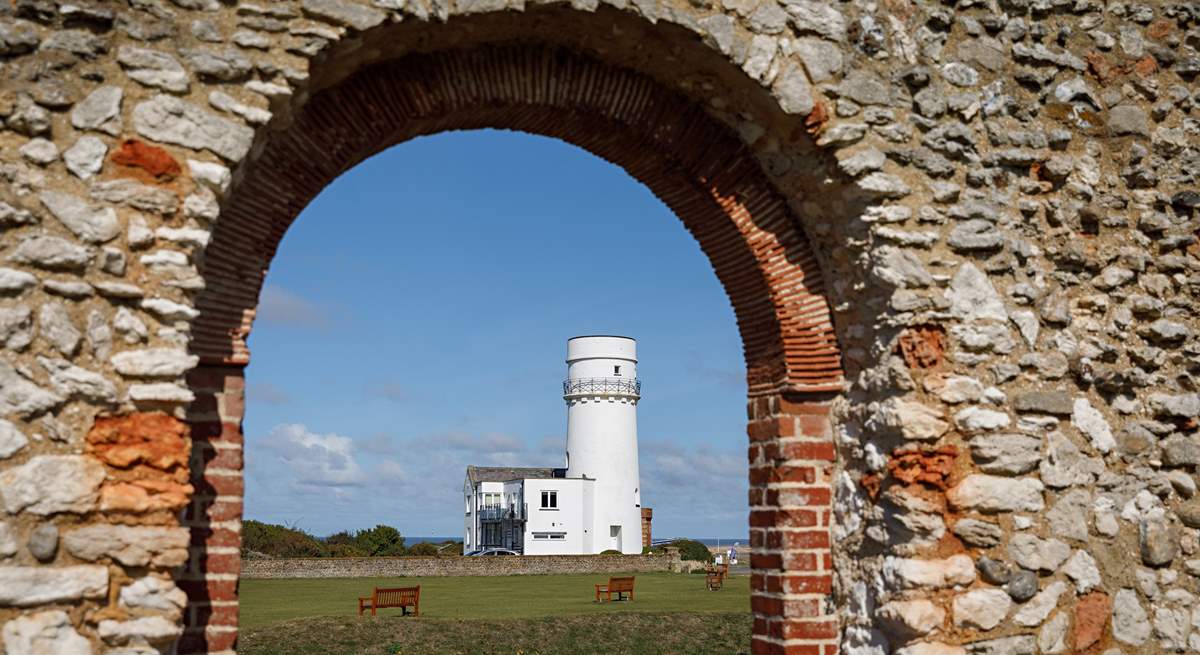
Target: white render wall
x: 602, y: 439
x: 573, y: 516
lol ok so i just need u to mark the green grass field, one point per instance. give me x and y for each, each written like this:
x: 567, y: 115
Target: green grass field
x: 526, y: 615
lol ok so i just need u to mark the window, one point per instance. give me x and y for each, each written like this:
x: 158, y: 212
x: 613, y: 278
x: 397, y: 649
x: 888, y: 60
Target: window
x: 549, y: 500
x: 468, y: 502
x: 491, y: 500
x: 617, y: 370
x: 543, y: 536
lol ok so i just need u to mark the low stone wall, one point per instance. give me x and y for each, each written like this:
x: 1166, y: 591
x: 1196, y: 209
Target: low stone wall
x: 387, y: 567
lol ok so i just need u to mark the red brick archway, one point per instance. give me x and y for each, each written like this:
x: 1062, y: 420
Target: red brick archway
x: 696, y: 165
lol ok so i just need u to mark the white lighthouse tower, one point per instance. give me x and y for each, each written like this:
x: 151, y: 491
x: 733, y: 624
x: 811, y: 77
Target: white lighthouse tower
x: 602, y: 392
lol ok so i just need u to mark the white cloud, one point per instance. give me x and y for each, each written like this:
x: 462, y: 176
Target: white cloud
x: 279, y: 305
x: 315, y: 460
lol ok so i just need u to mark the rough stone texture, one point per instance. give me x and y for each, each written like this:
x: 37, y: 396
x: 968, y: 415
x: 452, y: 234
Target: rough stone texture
x: 48, y: 484
x: 128, y: 545
x: 24, y: 586
x: 373, y: 567
x: 974, y: 224
x: 44, y: 633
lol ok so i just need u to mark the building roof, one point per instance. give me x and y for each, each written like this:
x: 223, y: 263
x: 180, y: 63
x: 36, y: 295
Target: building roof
x: 506, y: 473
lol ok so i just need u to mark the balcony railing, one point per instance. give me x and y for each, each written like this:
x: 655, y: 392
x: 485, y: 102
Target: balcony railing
x: 497, y: 513
x: 602, y: 387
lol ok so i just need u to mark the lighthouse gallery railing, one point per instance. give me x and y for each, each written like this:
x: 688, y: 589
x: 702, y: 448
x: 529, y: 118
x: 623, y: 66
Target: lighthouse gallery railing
x: 602, y: 386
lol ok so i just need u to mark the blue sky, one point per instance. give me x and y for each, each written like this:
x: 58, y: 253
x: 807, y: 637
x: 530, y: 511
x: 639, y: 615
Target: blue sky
x: 415, y: 321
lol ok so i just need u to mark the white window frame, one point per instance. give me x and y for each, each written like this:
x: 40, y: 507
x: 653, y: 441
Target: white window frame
x: 552, y: 497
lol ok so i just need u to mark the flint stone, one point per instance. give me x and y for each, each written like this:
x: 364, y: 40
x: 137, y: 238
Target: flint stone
x: 20, y: 396
x: 14, y: 282
x: 1082, y: 569
x: 1022, y: 586
x: 12, y: 439
x: 44, y: 633
x: 793, y: 90
x: 153, y: 68
x: 1179, y: 450
x: 884, y: 185
x: 28, y: 117
x: 1128, y: 119
x: 990, y: 494
x: 1090, y: 421
x: 822, y: 59
x: 147, y: 629
x: 49, y: 484
x: 348, y: 14
x: 812, y: 16
x: 80, y: 43
x: 993, y: 571
x: 100, y: 111
x: 909, y: 420
x: 1039, y: 607
x: 980, y: 419
x: 974, y: 235
x: 980, y: 534
x: 22, y: 586
x: 864, y: 87
x: 92, y: 224
x: 129, y: 545
x: 1058, y: 403
x: 74, y: 381
x: 52, y: 253
x: 43, y: 542
x: 1158, y: 542
x: 1023, y: 645
x: 154, y: 362
x: 1188, y: 512
x: 154, y: 594
x: 8, y: 540
x: 16, y: 327
x: 1052, y: 640
x: 1037, y: 554
x: 73, y: 289
x: 135, y: 194
x: 85, y: 157
x: 1130, y: 624
x: 18, y: 37
x: 214, y: 175
x: 910, y: 618
x: 40, y: 151
x: 1181, y: 406
x: 931, y: 648
x: 1069, y: 516
x: 57, y: 328
x: 900, y: 268
x: 170, y: 120
x: 1065, y: 466
x: 981, y: 608
x: 954, y: 389
x: 225, y: 65
x: 972, y: 296
x: 901, y: 573
x: 1006, y: 454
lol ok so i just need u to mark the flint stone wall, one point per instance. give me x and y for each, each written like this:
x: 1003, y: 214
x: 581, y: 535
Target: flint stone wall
x: 411, y: 567
x: 960, y: 240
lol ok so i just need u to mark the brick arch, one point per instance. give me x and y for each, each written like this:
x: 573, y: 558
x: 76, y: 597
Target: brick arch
x: 696, y: 165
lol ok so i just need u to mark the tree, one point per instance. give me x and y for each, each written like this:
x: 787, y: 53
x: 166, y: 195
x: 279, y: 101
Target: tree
x: 280, y: 541
x: 380, y: 541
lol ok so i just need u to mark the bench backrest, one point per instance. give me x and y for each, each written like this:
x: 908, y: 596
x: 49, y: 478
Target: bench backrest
x: 396, y: 596
x: 620, y: 584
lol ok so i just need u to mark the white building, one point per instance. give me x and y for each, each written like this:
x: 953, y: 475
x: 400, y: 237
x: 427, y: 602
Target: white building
x: 594, y: 503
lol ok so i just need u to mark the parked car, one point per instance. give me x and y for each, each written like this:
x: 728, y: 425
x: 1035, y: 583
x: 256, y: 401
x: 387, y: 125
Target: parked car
x: 492, y: 552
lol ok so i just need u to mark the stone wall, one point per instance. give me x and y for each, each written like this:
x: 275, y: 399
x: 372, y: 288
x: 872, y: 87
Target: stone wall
x: 959, y: 240
x: 411, y: 567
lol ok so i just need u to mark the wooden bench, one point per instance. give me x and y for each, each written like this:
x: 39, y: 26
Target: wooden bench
x: 402, y: 597
x: 618, y: 586
x: 714, y: 577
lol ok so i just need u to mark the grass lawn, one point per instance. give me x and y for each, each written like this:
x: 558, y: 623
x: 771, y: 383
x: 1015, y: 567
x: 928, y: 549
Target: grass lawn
x: 526, y: 615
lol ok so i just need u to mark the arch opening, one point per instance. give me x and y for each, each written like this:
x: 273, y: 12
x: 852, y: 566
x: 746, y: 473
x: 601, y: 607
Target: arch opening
x: 694, y: 164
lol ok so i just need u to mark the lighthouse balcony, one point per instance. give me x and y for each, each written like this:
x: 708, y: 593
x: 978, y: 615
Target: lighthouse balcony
x: 583, y: 387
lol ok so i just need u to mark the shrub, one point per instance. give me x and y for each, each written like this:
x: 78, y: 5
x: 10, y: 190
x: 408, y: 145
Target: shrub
x: 423, y: 548
x: 380, y: 541
x: 610, y: 551
x: 280, y: 541
x: 691, y: 549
